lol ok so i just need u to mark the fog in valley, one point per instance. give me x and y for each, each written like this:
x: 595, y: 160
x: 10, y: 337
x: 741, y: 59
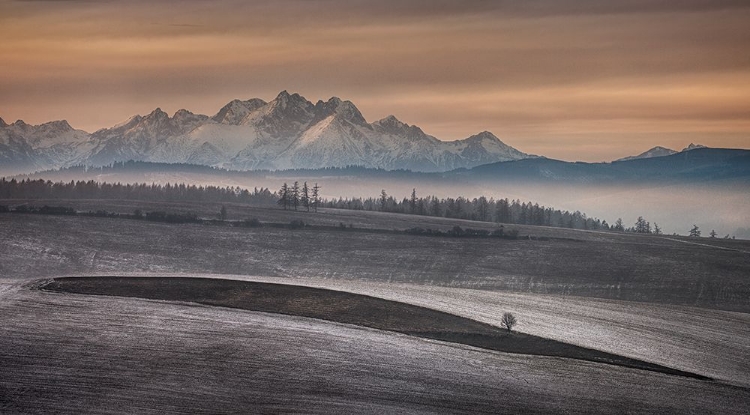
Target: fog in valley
x: 719, y: 205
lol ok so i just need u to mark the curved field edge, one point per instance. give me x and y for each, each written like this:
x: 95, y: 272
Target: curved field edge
x: 343, y: 307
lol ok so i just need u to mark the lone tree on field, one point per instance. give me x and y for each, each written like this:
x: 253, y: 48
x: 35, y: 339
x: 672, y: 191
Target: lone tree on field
x: 508, y: 321
x: 223, y: 213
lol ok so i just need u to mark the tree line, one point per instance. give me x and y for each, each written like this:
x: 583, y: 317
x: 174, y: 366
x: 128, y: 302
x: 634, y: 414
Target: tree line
x: 481, y: 209
x: 40, y: 189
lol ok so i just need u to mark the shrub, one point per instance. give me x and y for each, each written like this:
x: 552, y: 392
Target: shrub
x: 297, y: 224
x: 23, y: 209
x: 253, y: 223
x: 456, y: 231
x: 498, y: 233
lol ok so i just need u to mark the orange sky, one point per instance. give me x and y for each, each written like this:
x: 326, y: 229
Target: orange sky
x: 576, y: 80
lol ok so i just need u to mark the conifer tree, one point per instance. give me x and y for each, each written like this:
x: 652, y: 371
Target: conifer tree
x: 295, y: 195
x: 284, y: 196
x: 305, y: 197
x: 315, y: 197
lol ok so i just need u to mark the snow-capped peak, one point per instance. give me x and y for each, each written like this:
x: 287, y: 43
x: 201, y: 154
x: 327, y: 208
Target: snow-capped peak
x: 657, y: 151
x: 391, y: 119
x: 285, y: 99
x: 182, y: 113
x: 484, y: 135
x: 157, y: 114
x: 135, y: 119
x: 693, y: 147
x: 60, y: 126
x: 344, y: 109
x: 394, y: 126
x: 236, y: 110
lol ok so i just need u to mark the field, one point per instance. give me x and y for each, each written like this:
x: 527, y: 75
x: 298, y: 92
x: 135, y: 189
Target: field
x: 679, y: 303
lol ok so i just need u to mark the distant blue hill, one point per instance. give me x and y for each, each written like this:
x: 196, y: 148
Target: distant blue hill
x: 699, y: 165
x: 694, y: 166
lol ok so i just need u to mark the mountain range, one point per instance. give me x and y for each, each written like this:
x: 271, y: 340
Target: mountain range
x: 287, y: 132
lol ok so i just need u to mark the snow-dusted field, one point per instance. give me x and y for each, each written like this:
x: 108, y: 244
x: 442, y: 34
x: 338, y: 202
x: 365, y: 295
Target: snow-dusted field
x: 68, y: 353
x: 624, y: 267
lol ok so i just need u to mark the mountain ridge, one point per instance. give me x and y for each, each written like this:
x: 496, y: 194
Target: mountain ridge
x: 287, y: 132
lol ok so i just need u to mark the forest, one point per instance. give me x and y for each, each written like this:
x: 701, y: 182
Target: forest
x: 304, y: 197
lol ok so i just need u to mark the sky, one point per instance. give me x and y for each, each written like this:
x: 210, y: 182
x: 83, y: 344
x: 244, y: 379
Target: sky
x: 586, y: 80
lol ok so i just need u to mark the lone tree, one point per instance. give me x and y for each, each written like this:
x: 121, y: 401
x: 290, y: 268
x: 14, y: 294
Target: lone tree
x: 223, y: 213
x: 695, y: 232
x: 508, y: 321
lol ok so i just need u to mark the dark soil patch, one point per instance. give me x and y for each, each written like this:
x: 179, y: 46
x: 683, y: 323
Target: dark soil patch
x: 342, y: 307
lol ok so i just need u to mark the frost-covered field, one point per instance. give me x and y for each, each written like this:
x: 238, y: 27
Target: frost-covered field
x: 68, y: 353
x: 65, y: 352
x: 602, y: 265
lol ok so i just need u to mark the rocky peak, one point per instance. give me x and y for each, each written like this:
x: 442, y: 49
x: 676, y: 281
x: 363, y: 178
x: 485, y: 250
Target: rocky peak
x: 58, y: 126
x: 3, y: 123
x: 693, y: 147
x: 484, y: 135
x: 293, y: 105
x: 346, y: 110
x: 157, y: 114
x: 391, y: 123
x: 236, y: 110
x: 182, y: 113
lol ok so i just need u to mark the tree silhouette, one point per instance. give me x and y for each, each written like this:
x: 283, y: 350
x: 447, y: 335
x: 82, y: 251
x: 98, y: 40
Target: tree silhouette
x: 508, y: 321
x: 695, y: 232
x: 295, y: 195
x: 618, y: 225
x: 284, y: 196
x: 413, y: 202
x: 305, y: 197
x: 315, y: 197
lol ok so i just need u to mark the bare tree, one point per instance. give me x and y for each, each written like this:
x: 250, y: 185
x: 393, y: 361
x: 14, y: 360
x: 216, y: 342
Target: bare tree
x: 508, y: 321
